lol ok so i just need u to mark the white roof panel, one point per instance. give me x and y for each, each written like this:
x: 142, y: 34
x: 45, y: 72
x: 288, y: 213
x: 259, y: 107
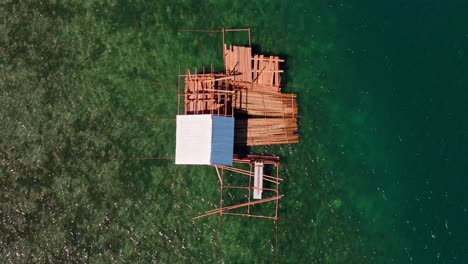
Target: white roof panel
x: 204, y: 140
x: 193, y: 139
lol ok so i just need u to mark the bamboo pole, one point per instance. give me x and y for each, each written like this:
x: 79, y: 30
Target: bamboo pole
x: 247, y: 173
x: 199, y: 30
x: 249, y: 159
x: 250, y: 184
x: 224, y: 44
x: 232, y: 207
x: 181, y: 174
x: 276, y: 212
x: 276, y: 239
x: 251, y: 215
x: 236, y: 29
x: 160, y: 119
x: 178, y: 94
x: 161, y: 158
x: 220, y: 175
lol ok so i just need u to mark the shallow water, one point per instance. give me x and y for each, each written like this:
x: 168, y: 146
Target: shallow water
x: 378, y: 176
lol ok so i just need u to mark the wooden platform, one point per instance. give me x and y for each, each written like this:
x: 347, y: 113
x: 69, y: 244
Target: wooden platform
x: 246, y: 168
x: 249, y: 90
x: 257, y: 69
x: 257, y: 103
x: 265, y: 131
x: 264, y: 115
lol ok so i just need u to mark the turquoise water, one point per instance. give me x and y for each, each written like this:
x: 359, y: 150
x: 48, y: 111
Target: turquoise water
x: 378, y: 177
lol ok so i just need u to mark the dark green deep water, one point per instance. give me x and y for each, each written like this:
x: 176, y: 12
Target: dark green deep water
x: 380, y: 174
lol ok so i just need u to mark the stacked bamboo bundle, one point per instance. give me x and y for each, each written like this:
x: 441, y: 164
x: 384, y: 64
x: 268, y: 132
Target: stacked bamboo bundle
x: 266, y: 131
x: 260, y: 87
x: 267, y: 104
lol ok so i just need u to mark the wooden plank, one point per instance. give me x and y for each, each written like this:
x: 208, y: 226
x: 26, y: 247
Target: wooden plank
x: 235, y: 62
x: 226, y: 59
x: 261, y: 68
x: 270, y: 69
x: 246, y: 68
x: 230, y: 58
x: 228, y: 208
x: 276, y: 74
x: 279, y: 60
x: 242, y: 63
x: 248, y: 63
x: 255, y: 69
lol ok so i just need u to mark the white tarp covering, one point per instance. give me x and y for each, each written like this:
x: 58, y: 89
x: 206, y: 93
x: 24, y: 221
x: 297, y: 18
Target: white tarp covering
x: 204, y: 140
x: 258, y: 180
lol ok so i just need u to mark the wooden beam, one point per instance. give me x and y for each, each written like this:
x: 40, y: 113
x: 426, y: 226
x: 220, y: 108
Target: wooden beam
x: 252, y: 215
x: 227, y: 208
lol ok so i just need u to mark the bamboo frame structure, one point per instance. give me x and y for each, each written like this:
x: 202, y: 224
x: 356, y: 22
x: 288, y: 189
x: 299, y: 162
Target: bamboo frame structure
x: 224, y: 209
x: 249, y: 89
x: 207, y: 93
